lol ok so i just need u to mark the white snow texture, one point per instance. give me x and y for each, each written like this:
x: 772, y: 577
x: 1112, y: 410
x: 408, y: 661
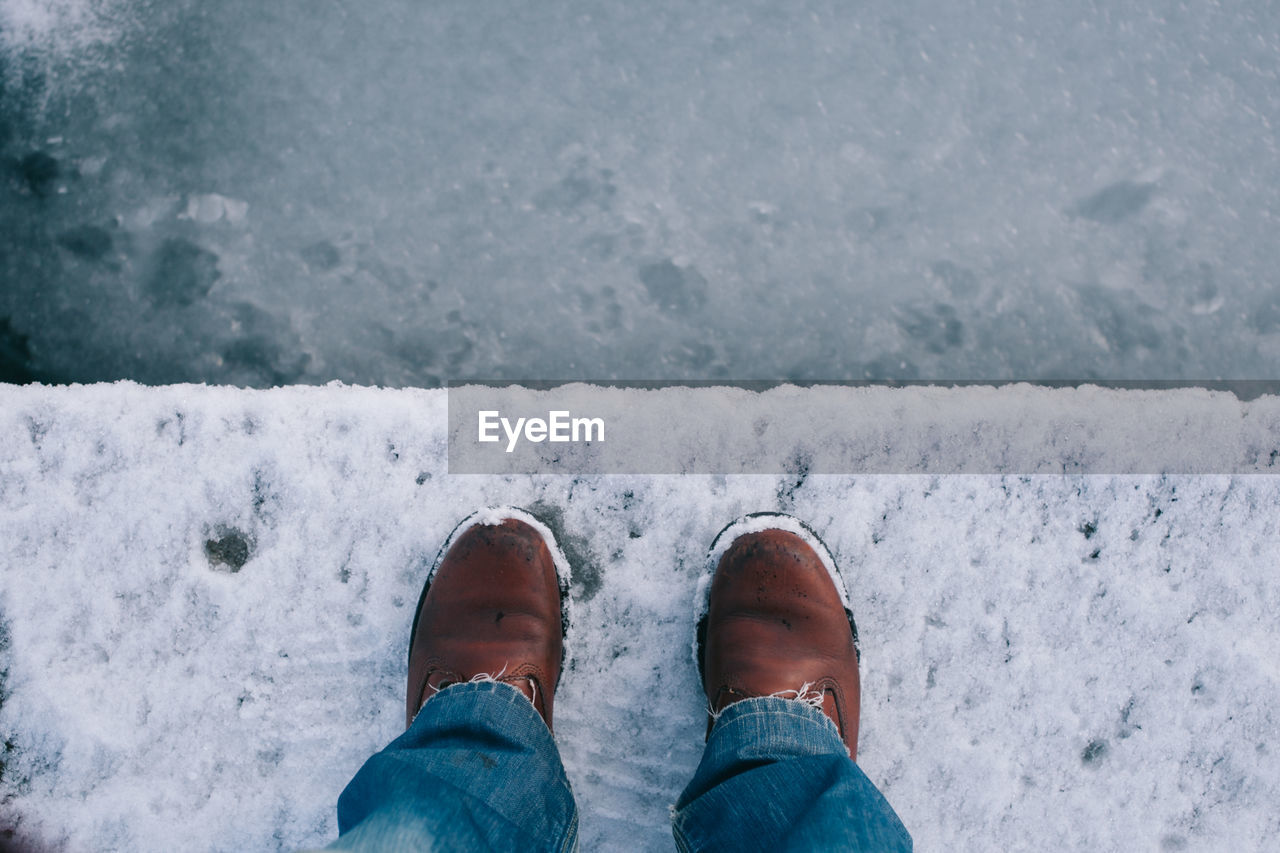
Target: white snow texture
x: 206, y: 593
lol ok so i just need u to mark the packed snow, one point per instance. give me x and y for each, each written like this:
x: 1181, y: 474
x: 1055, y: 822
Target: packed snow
x: 205, y: 598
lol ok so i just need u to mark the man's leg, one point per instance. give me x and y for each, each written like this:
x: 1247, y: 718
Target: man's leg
x: 477, y: 770
x: 776, y: 776
x: 477, y: 767
x: 780, y: 670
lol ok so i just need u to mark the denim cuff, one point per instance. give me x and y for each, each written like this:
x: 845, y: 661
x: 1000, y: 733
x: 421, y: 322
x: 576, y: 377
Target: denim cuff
x: 776, y: 775
x: 472, y: 691
x: 477, y: 769
x: 769, y: 715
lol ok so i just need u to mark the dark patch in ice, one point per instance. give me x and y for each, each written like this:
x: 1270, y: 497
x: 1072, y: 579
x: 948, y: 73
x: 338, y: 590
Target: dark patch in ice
x: 674, y: 289
x: 583, y: 566
x: 229, y: 551
x: 422, y: 477
x: 1094, y: 752
x: 959, y: 282
x: 1095, y: 553
x: 612, y: 319
x: 182, y: 273
x: 1266, y: 318
x: 258, y: 352
x: 1121, y: 318
x: 1116, y: 202
x: 37, y: 171
x: 261, y: 354
x: 1088, y: 529
x: 416, y: 352
x: 573, y: 191
x: 1173, y: 842
x: 86, y: 241
x: 321, y: 257
x: 570, y: 192
x: 938, y: 328
x: 15, y: 355
x: 369, y: 265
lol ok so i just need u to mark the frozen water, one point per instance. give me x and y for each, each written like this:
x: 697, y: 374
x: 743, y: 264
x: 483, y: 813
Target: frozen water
x: 206, y: 597
x: 399, y: 193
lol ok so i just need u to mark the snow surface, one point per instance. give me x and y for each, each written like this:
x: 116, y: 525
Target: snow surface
x: 1082, y: 662
x: 397, y: 193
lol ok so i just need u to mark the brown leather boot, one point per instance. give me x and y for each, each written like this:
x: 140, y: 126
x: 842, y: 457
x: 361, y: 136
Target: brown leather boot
x: 777, y: 626
x: 491, y: 611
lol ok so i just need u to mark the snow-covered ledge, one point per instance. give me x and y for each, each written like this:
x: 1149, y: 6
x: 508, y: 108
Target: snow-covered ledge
x: 205, y: 596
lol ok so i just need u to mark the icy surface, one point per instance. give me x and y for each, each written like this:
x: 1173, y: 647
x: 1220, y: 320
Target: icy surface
x: 57, y: 29
x: 206, y: 596
x: 394, y: 192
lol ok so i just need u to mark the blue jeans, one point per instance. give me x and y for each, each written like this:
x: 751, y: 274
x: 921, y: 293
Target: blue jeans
x: 478, y: 770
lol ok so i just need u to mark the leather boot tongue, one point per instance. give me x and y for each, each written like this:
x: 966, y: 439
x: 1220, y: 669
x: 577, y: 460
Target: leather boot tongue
x: 441, y: 679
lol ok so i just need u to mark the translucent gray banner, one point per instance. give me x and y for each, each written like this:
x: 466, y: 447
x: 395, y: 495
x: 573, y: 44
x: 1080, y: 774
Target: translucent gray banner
x: 769, y: 428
